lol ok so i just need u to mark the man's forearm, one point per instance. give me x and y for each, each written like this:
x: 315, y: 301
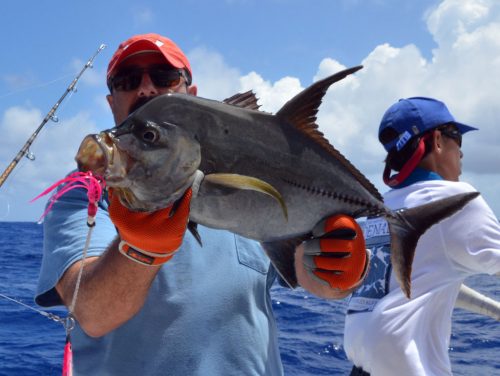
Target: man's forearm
x: 112, y: 290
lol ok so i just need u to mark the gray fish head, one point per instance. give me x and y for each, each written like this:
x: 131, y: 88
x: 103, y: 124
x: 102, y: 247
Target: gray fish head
x: 148, y: 164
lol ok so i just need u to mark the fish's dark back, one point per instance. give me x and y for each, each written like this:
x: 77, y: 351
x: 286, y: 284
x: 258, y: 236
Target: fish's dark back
x: 311, y: 180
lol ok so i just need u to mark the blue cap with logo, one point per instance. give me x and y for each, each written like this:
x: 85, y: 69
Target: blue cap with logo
x: 413, y: 116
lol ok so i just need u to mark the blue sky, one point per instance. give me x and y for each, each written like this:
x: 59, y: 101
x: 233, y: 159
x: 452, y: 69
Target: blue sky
x: 449, y: 49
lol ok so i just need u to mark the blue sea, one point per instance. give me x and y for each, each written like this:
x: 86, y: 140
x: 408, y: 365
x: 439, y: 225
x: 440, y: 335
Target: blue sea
x: 310, y: 328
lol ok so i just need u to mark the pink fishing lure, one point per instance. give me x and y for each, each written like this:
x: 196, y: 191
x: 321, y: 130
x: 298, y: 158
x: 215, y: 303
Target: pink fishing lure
x: 67, y: 367
x: 92, y: 183
x: 94, y: 186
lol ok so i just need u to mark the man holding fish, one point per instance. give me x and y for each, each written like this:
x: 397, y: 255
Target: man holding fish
x: 385, y: 332
x: 155, y: 299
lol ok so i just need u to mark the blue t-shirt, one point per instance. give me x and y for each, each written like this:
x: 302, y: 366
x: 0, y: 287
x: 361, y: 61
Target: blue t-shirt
x: 208, y: 311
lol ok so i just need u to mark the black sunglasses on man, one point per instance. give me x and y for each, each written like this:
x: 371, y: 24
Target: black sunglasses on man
x: 452, y: 132
x: 129, y: 78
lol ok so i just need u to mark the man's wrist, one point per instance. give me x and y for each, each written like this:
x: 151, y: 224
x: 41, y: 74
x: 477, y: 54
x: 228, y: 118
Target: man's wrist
x: 143, y: 257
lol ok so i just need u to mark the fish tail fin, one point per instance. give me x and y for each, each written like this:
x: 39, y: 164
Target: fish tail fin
x: 407, y: 225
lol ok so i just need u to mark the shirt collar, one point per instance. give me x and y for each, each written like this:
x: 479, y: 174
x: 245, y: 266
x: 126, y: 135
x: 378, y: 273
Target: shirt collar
x: 419, y: 174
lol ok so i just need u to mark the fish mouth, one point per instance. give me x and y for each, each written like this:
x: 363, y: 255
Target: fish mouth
x: 99, y: 154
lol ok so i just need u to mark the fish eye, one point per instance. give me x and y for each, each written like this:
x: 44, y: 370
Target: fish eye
x: 150, y: 136
x: 147, y: 132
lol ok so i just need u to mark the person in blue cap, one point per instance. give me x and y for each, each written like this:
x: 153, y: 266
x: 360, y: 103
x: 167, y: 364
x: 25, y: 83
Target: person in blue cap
x: 385, y: 332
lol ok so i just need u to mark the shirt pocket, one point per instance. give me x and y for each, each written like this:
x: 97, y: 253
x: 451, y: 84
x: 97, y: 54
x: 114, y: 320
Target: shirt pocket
x: 251, y: 254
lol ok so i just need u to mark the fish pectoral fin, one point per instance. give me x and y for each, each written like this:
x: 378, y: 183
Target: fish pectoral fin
x: 247, y: 183
x: 193, y: 229
x: 282, y: 256
x: 126, y: 196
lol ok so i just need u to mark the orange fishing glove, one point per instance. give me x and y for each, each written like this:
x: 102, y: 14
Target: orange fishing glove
x: 337, y: 254
x: 150, y: 238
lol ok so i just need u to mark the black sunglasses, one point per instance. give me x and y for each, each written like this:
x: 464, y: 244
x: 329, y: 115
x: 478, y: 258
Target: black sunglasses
x: 130, y: 79
x: 452, y: 133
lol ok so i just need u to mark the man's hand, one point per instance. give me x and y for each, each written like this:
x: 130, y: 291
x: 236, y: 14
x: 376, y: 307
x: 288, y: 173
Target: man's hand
x: 337, y: 254
x: 150, y: 238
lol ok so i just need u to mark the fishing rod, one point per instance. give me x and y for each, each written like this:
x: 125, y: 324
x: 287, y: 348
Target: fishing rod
x: 50, y: 116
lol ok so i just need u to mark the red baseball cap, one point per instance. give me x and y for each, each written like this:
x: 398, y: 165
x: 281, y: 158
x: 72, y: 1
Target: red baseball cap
x: 149, y: 42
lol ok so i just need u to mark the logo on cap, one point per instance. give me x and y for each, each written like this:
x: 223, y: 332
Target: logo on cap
x: 403, y: 139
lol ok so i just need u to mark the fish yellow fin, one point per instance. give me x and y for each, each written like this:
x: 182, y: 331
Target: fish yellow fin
x: 126, y: 196
x: 249, y: 183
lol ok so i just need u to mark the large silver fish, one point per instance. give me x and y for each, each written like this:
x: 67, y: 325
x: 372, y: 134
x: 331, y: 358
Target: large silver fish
x: 154, y: 156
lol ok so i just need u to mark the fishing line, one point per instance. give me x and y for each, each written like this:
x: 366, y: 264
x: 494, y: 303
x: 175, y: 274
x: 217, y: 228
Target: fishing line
x: 37, y: 86
x: 4, y: 207
x: 95, y: 186
x: 80, y: 272
x: 50, y: 116
x: 68, y: 323
x: 49, y: 315
x: 8, y: 193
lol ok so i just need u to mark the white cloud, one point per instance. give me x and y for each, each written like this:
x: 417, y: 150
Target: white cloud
x: 54, y: 149
x: 214, y: 78
x: 17, y: 124
x: 453, y: 18
x: 271, y: 96
x: 463, y: 72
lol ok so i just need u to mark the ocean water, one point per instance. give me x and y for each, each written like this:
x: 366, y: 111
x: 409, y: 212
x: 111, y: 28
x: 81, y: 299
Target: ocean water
x: 310, y: 328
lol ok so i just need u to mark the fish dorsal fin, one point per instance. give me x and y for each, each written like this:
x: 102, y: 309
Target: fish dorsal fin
x: 301, y: 110
x: 246, y: 100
